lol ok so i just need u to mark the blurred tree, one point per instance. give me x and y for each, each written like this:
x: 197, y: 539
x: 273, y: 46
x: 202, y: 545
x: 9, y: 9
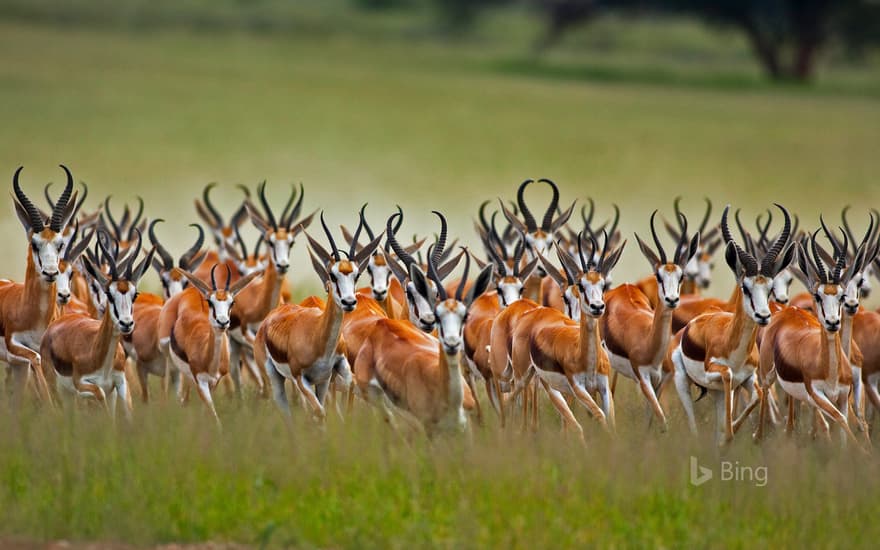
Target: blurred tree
x: 786, y: 35
x: 459, y: 15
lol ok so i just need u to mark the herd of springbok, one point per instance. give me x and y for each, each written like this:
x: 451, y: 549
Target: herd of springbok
x: 535, y: 311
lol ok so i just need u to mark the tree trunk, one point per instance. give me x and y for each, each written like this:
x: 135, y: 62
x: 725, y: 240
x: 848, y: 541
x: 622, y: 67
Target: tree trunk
x: 765, y: 49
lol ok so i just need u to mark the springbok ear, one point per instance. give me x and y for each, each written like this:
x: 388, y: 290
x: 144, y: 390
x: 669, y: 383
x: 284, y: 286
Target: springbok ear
x: 528, y: 269
x: 444, y: 270
x: 396, y: 268
x: 612, y: 260
x: 22, y: 216
x: 95, y: 273
x: 419, y: 280
x: 551, y: 270
x: 563, y: 218
x: 414, y: 247
x: 319, y: 267
x: 204, y: 214
x: 513, y: 220
x: 194, y: 281
x: 806, y: 267
x: 484, y: 279
x: 240, y: 284
x: 693, y: 248
x: 69, y: 210
x: 80, y: 247
x: 362, y: 257
x: 257, y: 219
x: 303, y: 225
x: 157, y: 265
x: 648, y: 253
x: 197, y: 261
x: 732, y: 259
x: 319, y: 250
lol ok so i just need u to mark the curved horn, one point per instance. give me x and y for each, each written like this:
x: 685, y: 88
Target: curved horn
x: 676, y: 206
x: 404, y: 256
x: 748, y: 261
x: 188, y: 256
x: 588, y: 218
x: 111, y: 259
x: 433, y: 275
x: 132, y: 258
x: 137, y: 218
x: 262, y: 192
x: 531, y: 225
x: 113, y: 224
x: 36, y: 218
x: 817, y: 259
x: 705, y: 222
x: 657, y: 240
x: 333, y: 250
x: 441, y: 240
x: 459, y: 292
x: 206, y: 198
x: 682, y: 238
x: 769, y: 259
x: 357, y: 233
x: 167, y: 260
x: 213, y: 278
x: 547, y: 222
x: 61, y: 203
x: 228, y: 277
x: 283, y: 217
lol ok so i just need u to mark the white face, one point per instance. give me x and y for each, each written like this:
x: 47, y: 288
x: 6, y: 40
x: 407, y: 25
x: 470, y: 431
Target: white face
x: 63, y: 283
x: 538, y: 242
x: 829, y: 301
x: 172, y: 286
x: 592, y: 290
x: 421, y: 309
x: 98, y: 296
x: 509, y: 290
x: 220, y: 304
x: 122, y: 305
x: 853, y: 291
x: 704, y: 270
x: 572, y: 300
x: 46, y: 253
x: 343, y: 279
x: 867, y: 286
x: 669, y: 284
x: 451, y: 315
x: 380, y: 278
x: 781, y: 285
x: 279, y: 246
x: 756, y: 298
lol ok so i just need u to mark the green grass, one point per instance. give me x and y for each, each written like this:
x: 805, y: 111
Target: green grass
x: 400, y: 117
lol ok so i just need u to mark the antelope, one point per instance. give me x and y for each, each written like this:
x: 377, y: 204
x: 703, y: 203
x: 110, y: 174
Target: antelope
x: 261, y: 297
x: 509, y: 274
x: 302, y: 344
x: 378, y: 268
x: 717, y: 351
x: 408, y: 374
x: 64, y: 297
x: 84, y: 353
x: 123, y: 231
x: 224, y: 233
x: 565, y: 355
x: 804, y: 353
x: 636, y: 336
x: 27, y: 308
x: 142, y: 345
x: 193, y: 332
x: 538, y: 238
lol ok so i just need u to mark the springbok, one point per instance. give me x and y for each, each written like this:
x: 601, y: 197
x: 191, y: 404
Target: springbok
x: 635, y: 335
x: 27, y: 308
x: 193, y: 332
x: 123, y: 232
x: 68, y: 270
x: 411, y: 375
x: 85, y: 353
x: 717, y: 351
x: 539, y: 239
x: 804, y: 353
x: 173, y: 281
x: 567, y: 356
x: 302, y: 344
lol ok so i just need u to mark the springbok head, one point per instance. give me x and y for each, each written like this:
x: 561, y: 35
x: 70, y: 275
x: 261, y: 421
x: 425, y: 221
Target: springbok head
x: 510, y: 273
x: 173, y: 280
x: 340, y: 274
x: 699, y: 268
x: 755, y: 278
x: 669, y: 274
x: 85, y: 223
x: 223, y: 232
x: 247, y: 262
x: 220, y: 300
x: 862, y: 255
x: 421, y: 290
x: 538, y: 238
x: 279, y: 233
x: 378, y: 267
x: 451, y: 312
x: 120, y: 285
x: 781, y: 286
x: 47, y: 242
x: 825, y: 278
x: 859, y: 282
x: 66, y: 267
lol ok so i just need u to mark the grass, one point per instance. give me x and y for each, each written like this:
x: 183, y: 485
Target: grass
x: 397, y: 117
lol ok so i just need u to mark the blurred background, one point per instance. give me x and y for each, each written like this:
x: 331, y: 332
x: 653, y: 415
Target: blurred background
x: 440, y: 104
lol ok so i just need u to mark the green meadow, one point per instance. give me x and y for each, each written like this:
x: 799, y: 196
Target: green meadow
x: 377, y: 109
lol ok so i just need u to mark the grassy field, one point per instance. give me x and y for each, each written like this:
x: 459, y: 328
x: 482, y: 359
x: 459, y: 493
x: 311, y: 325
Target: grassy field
x: 374, y: 117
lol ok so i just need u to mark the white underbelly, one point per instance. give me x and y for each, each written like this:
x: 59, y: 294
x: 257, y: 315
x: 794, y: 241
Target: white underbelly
x: 798, y: 390
x: 107, y: 384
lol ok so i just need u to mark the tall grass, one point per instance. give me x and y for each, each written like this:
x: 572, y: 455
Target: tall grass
x: 171, y: 476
